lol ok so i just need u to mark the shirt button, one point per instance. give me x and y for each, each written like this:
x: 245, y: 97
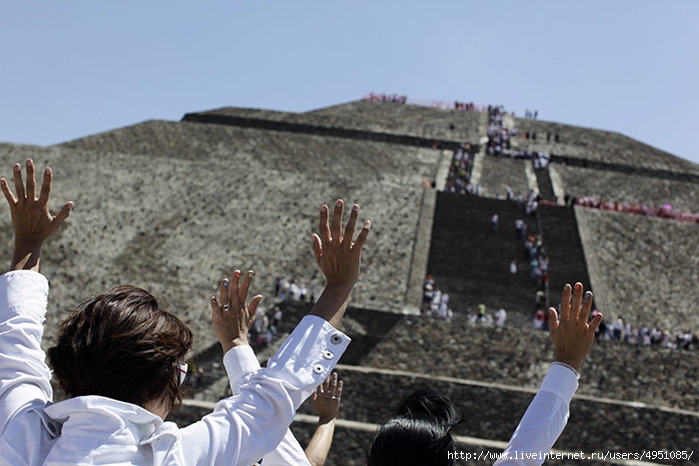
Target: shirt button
x: 328, y: 354
x: 318, y: 369
x: 336, y: 339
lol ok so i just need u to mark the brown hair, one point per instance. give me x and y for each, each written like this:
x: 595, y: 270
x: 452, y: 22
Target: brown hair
x: 121, y: 345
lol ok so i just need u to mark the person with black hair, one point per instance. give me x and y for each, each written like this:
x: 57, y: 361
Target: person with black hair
x: 418, y: 432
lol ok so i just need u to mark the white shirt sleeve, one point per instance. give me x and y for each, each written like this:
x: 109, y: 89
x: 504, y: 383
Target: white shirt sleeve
x: 245, y: 427
x: 241, y: 364
x: 24, y: 376
x: 543, y: 421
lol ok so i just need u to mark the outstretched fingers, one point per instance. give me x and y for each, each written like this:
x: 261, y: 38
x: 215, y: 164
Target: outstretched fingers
x: 245, y: 287
x: 553, y: 321
x: 234, y: 293
x: 331, y: 387
x: 252, y: 307
x: 223, y: 293
x: 349, y: 228
x: 336, y: 224
x: 11, y: 199
x: 234, y: 288
x: 232, y: 315
x: 31, y: 180
x: 565, y: 302
x: 338, y: 390
x: 586, y: 307
x: 335, y: 384
x: 323, y: 225
x: 577, y: 301
x: 595, y: 323
x: 62, y: 214
x: 361, y: 239
x: 45, y: 192
x: 19, y: 185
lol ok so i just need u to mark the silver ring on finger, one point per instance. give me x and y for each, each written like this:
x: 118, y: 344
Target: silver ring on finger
x: 226, y: 306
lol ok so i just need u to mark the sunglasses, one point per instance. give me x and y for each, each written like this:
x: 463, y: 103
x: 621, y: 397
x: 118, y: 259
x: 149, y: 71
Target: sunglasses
x: 184, y: 368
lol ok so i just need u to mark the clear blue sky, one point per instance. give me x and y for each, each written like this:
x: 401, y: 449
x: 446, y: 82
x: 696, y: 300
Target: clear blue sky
x: 74, y: 68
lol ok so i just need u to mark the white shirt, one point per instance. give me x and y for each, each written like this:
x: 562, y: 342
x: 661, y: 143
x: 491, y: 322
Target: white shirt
x: 99, y: 430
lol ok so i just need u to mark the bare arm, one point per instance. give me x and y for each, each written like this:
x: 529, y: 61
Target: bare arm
x: 339, y: 259
x: 31, y: 219
x: 24, y: 375
x: 326, y: 401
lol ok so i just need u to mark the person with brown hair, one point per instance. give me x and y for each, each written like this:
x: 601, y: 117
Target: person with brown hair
x: 120, y: 358
x: 108, y: 347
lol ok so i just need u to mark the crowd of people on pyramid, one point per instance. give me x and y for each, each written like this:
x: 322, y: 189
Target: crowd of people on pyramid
x: 459, y: 176
x: 391, y: 98
x: 465, y: 106
x: 499, y: 144
x: 500, y: 140
x: 435, y: 303
x: 664, y: 211
x: 643, y: 335
x: 536, y: 261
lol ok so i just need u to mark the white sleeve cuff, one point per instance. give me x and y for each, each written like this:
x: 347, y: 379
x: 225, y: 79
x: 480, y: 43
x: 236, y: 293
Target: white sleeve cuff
x: 23, y: 292
x: 240, y: 363
x: 560, y: 381
x: 311, y: 352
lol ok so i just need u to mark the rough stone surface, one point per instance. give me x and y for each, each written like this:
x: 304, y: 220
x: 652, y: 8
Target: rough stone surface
x: 383, y: 118
x: 632, y: 189
x: 520, y: 357
x: 499, y: 173
x: 599, y: 145
x: 175, y: 222
x: 644, y: 270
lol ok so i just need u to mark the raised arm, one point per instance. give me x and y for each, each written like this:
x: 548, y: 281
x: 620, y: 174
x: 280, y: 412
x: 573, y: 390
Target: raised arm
x: 24, y: 375
x: 326, y: 402
x: 543, y: 422
x: 253, y: 422
x: 231, y: 328
x: 31, y: 219
x: 339, y: 259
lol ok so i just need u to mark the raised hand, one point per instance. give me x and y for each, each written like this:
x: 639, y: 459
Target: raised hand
x: 326, y: 401
x: 339, y: 259
x: 31, y: 219
x: 572, y: 334
x: 336, y: 254
x: 326, y: 398
x: 232, y: 318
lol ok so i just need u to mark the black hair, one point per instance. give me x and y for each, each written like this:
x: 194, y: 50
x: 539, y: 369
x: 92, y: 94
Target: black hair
x: 417, y: 434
